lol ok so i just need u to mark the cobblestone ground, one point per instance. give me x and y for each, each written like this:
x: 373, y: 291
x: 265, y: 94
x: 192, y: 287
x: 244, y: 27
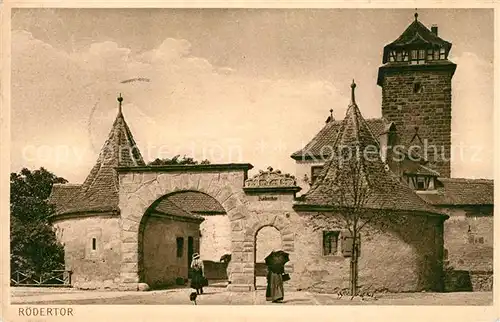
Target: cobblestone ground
x: 219, y: 296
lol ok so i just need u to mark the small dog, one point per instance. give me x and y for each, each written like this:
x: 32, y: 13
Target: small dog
x: 192, y: 297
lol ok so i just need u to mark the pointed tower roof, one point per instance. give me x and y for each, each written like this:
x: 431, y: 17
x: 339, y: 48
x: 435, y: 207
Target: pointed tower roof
x: 417, y: 34
x: 99, y: 191
x: 387, y: 190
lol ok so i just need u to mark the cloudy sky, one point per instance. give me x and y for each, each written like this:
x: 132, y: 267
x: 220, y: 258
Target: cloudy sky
x: 233, y: 85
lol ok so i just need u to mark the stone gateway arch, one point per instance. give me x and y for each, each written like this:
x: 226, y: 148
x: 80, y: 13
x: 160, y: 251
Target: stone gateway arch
x: 140, y: 187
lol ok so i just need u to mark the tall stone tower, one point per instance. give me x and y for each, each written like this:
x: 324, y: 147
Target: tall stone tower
x: 416, y: 93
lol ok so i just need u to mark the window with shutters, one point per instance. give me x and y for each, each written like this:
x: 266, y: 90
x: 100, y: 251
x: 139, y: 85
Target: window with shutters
x: 330, y: 242
x: 347, y: 242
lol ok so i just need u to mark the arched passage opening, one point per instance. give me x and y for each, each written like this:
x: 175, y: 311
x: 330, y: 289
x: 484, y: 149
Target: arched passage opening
x: 267, y: 239
x: 175, y: 227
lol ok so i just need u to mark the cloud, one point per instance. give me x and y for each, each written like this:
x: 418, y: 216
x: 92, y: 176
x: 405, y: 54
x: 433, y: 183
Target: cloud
x: 66, y: 101
x: 472, y: 119
x: 189, y: 106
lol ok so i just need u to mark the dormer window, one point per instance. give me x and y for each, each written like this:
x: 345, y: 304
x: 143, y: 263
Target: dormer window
x: 420, y: 182
x: 315, y: 172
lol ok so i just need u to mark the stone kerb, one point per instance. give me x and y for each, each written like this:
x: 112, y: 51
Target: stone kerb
x: 138, y: 191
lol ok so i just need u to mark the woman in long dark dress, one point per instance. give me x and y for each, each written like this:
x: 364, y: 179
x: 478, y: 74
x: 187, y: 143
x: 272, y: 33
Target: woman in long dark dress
x: 274, y: 290
x: 197, y: 270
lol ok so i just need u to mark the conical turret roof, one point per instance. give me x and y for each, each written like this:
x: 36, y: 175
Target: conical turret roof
x: 99, y: 192
x: 387, y: 191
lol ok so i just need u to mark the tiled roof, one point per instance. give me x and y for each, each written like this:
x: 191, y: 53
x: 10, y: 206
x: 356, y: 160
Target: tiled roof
x: 61, y: 194
x: 196, y: 202
x: 422, y: 170
x: 320, y: 146
x: 387, y: 191
x: 416, y: 34
x: 99, y: 192
x: 189, y: 204
x: 457, y: 191
x: 166, y: 206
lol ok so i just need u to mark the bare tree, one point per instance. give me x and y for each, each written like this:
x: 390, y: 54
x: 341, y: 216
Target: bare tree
x: 352, y: 192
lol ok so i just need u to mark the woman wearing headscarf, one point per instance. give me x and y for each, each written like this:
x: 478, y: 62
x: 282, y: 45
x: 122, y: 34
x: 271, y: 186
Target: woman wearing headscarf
x: 274, y: 290
x: 197, y: 270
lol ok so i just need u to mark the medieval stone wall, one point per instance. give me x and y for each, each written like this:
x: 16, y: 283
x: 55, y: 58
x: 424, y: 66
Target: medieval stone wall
x: 162, y: 265
x: 469, y: 238
x: 99, y: 268
x: 405, y: 258
x: 421, y: 98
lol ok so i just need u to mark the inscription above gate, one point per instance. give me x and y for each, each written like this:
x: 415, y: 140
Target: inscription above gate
x: 271, y: 180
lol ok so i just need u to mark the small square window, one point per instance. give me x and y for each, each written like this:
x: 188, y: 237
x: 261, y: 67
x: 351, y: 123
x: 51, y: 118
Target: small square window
x: 180, y: 246
x: 330, y: 242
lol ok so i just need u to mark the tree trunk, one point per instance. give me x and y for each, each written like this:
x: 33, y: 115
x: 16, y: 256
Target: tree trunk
x: 354, y: 267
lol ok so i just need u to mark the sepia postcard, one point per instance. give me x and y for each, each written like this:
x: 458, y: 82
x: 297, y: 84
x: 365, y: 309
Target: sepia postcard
x: 275, y: 162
